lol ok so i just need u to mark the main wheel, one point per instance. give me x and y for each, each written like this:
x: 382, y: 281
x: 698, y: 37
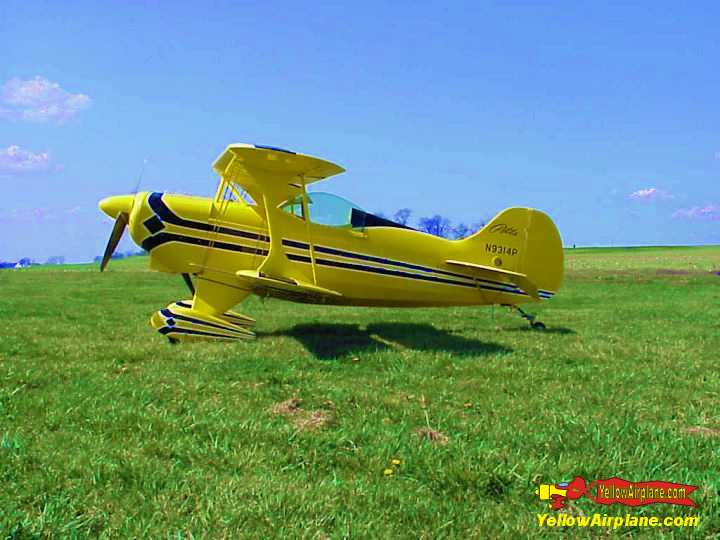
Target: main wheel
x: 537, y: 325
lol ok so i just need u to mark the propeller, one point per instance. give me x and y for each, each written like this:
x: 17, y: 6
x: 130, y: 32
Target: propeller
x: 120, y: 207
x: 121, y: 223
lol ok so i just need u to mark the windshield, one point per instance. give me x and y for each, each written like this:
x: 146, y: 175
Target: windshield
x: 328, y: 209
x: 325, y: 209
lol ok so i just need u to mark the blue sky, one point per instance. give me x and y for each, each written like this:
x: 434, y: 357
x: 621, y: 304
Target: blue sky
x: 604, y: 116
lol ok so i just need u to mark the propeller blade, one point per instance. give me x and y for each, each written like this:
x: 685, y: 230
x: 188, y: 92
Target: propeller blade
x: 117, y: 232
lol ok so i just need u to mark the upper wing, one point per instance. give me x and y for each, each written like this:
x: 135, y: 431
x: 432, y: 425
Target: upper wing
x: 263, y: 168
x: 273, y: 176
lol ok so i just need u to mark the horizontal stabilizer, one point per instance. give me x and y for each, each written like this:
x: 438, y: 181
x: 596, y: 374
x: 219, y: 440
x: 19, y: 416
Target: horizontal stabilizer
x: 521, y: 280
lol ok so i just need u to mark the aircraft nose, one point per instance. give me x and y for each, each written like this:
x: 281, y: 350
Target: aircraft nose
x: 117, y: 204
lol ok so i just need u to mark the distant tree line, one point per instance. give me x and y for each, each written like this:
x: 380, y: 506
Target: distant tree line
x: 120, y: 255
x: 438, y: 225
x: 22, y: 263
x: 60, y: 259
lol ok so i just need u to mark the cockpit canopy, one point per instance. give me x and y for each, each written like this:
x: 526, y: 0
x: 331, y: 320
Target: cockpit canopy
x: 335, y: 211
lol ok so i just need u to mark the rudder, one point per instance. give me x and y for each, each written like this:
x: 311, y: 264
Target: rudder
x: 523, y: 240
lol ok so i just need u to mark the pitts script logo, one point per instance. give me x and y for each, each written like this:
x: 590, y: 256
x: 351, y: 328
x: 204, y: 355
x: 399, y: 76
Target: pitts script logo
x: 501, y: 228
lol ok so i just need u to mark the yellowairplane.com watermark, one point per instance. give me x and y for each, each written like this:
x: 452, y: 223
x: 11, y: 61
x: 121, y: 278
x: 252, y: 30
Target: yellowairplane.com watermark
x: 611, y: 491
x: 614, y: 522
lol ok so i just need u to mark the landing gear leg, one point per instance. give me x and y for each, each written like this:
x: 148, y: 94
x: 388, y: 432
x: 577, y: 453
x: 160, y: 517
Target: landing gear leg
x: 534, y: 324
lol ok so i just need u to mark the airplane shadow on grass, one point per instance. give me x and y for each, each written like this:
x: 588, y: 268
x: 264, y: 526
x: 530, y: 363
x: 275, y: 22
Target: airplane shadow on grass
x: 549, y: 330
x: 331, y: 341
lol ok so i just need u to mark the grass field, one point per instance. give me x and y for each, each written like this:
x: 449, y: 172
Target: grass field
x: 108, y: 431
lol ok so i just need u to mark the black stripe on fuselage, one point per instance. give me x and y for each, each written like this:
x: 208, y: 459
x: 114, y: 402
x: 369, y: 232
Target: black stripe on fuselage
x: 382, y: 260
x: 295, y: 244
x: 165, y: 214
x: 395, y: 273
x: 370, y: 258
x: 402, y: 264
x: 163, y: 238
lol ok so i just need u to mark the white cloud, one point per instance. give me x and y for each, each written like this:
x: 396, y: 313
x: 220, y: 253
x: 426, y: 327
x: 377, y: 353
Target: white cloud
x: 14, y: 160
x: 709, y: 212
x: 649, y: 194
x: 39, y: 100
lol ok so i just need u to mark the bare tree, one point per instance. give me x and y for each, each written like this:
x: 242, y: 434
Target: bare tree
x: 437, y: 225
x: 402, y: 216
x: 461, y: 230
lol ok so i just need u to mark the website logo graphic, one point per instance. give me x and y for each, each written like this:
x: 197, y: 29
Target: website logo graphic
x: 616, y: 491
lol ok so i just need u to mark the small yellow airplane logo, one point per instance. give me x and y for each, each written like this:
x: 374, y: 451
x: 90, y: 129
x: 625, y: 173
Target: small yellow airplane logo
x: 546, y: 491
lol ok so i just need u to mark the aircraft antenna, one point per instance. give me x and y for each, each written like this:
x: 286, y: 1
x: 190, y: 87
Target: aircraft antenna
x: 140, y: 177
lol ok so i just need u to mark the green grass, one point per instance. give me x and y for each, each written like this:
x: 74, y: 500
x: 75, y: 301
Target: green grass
x: 108, y: 431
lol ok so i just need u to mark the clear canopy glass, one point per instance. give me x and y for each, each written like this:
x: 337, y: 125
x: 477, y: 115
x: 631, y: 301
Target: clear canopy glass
x: 329, y: 209
x: 325, y: 209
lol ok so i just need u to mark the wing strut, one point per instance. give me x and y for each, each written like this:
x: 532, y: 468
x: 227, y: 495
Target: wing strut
x: 189, y: 283
x: 306, y: 213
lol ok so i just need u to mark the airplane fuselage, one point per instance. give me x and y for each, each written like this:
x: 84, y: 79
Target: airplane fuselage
x: 196, y: 235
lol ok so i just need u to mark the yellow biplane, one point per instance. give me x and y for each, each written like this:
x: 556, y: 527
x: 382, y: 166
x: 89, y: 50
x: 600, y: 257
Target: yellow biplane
x: 263, y: 233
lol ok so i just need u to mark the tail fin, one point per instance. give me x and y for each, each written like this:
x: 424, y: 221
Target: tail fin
x: 520, y: 240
